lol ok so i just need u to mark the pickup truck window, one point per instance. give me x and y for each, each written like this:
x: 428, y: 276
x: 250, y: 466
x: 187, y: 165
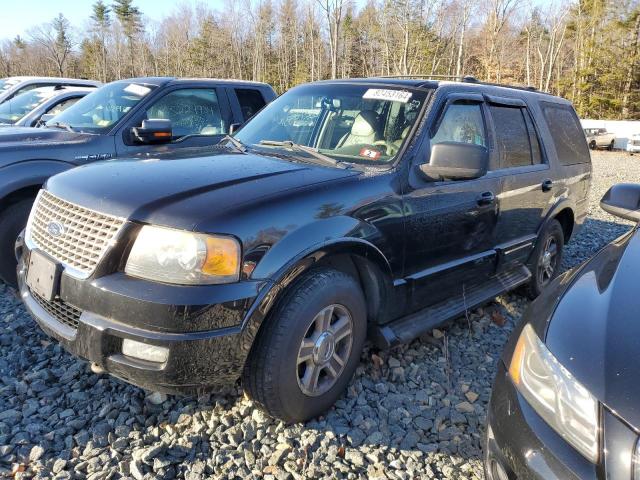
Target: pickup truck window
x: 250, y: 100
x: 62, y: 106
x: 567, y: 134
x: 351, y: 123
x: 99, y: 111
x: 192, y: 111
x: 512, y: 137
x: 13, y: 110
x: 462, y: 123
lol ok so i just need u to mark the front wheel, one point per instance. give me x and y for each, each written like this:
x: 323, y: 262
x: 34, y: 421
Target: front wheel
x: 306, y: 352
x: 12, y: 221
x: 546, y: 259
x: 593, y: 145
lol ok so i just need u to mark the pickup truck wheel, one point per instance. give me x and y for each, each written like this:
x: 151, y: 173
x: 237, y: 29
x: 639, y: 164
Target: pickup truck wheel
x: 12, y: 220
x: 546, y: 258
x: 610, y: 146
x: 593, y: 145
x: 306, y: 352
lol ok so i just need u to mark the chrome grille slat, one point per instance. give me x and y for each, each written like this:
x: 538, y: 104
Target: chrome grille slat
x: 88, y: 234
x: 60, y: 310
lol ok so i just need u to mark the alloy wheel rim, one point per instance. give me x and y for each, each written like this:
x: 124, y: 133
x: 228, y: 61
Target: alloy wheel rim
x: 548, y: 261
x: 324, y: 350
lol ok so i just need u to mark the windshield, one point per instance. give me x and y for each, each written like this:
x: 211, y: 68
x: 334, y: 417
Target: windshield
x: 16, y: 108
x: 102, y: 109
x: 7, y: 83
x: 351, y: 123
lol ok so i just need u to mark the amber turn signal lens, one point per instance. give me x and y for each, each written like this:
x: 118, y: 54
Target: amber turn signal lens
x: 223, y: 257
x: 515, y: 366
x: 161, y: 134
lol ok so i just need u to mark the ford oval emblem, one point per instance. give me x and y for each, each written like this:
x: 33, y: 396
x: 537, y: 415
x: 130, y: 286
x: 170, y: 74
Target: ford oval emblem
x: 55, y: 229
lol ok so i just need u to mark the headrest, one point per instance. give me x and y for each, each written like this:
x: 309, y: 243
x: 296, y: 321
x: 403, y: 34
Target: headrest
x: 365, y: 124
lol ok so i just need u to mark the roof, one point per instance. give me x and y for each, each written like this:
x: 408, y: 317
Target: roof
x: 160, y: 81
x: 453, y: 82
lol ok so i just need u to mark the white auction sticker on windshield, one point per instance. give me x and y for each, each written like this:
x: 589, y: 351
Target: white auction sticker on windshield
x: 138, y: 90
x: 390, y: 95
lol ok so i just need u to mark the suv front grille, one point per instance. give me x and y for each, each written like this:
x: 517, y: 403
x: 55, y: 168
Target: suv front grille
x: 60, y: 310
x: 75, y: 236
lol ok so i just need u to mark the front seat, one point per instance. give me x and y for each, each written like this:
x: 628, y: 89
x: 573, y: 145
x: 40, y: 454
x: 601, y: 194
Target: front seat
x: 364, y: 130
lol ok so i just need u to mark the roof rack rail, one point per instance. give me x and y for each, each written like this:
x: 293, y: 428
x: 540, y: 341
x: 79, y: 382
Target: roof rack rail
x: 464, y: 79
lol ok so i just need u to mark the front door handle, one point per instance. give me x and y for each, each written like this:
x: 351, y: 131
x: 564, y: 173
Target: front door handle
x: 547, y: 185
x: 486, y: 198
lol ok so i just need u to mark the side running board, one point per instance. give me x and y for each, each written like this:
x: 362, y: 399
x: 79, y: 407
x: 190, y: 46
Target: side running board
x: 408, y: 328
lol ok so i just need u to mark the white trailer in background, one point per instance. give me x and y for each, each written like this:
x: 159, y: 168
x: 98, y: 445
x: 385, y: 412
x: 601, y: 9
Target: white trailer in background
x: 626, y: 132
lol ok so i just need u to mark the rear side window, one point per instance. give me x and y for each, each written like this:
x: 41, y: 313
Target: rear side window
x: 567, y: 134
x: 515, y: 137
x: 250, y: 100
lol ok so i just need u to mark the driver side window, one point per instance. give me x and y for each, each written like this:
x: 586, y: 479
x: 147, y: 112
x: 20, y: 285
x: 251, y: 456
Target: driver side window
x: 462, y: 123
x: 192, y: 111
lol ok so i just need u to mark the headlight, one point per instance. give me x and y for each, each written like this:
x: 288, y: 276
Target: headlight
x: 554, y: 394
x: 184, y: 258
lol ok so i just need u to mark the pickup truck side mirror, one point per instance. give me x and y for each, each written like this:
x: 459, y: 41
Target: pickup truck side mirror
x: 455, y: 161
x: 154, y: 130
x: 623, y: 200
x: 234, y: 127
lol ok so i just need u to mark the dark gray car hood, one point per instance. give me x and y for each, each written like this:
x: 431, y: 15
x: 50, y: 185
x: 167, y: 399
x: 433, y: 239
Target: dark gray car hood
x: 24, y: 143
x: 595, y: 330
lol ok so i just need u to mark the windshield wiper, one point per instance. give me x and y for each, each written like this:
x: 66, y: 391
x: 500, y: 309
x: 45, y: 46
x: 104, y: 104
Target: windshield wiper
x: 302, y: 148
x: 64, y: 126
x: 236, y: 143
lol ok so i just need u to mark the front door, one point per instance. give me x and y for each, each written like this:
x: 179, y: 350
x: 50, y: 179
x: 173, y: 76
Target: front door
x: 199, y: 116
x: 450, y: 225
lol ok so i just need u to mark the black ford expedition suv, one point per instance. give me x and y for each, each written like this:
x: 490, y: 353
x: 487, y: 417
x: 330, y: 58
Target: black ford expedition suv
x: 343, y: 209
x: 123, y: 118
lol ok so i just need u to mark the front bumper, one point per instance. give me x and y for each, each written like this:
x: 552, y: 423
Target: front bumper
x: 202, y: 327
x: 633, y: 148
x: 521, y: 443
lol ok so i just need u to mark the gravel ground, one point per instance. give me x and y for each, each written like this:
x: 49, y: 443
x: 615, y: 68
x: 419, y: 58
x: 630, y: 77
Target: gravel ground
x: 414, y: 412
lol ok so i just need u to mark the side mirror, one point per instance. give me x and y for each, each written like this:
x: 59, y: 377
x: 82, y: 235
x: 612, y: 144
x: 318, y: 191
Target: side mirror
x: 456, y: 161
x: 234, y: 127
x: 155, y: 130
x: 623, y: 200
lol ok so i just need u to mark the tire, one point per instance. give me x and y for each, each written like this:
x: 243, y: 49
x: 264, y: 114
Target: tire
x: 545, y: 268
x: 12, y: 221
x: 610, y: 146
x: 593, y: 145
x: 276, y: 378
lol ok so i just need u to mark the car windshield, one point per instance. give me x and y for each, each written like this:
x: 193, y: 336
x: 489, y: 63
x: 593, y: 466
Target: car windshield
x: 16, y: 108
x: 99, y: 111
x: 350, y: 123
x: 7, y: 83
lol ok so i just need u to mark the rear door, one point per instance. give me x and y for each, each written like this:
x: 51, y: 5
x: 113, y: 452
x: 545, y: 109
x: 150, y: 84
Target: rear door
x: 527, y: 189
x: 450, y: 225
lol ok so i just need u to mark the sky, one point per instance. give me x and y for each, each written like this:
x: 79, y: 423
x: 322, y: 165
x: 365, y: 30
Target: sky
x: 17, y: 16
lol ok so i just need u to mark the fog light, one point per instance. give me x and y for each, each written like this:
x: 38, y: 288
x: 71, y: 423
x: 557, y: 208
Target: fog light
x: 142, y: 351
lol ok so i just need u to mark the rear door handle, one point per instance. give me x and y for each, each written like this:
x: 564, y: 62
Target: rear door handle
x: 486, y: 198
x: 547, y: 185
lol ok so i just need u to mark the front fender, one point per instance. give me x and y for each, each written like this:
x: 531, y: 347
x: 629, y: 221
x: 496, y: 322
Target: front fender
x: 31, y: 173
x: 335, y: 232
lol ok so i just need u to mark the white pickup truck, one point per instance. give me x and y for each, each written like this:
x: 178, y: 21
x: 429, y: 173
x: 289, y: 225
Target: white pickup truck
x: 599, y: 138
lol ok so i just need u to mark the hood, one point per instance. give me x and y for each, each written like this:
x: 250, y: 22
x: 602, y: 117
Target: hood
x: 595, y: 329
x: 21, y: 142
x: 185, y: 191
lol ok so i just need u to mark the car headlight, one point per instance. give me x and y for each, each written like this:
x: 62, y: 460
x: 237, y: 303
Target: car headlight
x: 184, y: 258
x: 554, y: 394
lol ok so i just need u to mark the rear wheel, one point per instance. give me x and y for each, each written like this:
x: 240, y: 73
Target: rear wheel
x: 306, y: 352
x: 610, y: 146
x: 12, y: 220
x: 546, y: 259
x: 592, y: 145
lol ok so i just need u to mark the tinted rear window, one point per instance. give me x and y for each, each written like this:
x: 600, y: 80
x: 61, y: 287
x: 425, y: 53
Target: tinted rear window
x: 568, y: 136
x: 512, y: 137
